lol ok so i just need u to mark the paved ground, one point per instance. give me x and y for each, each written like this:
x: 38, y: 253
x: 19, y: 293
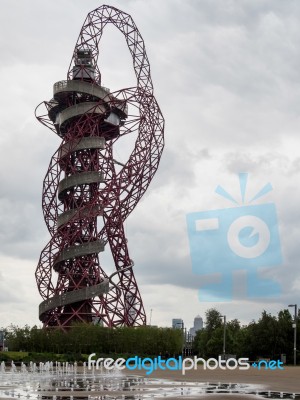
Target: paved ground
x: 287, y: 380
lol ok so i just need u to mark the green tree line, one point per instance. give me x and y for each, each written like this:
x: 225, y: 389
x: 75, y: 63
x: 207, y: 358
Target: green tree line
x: 86, y: 339
x: 269, y: 337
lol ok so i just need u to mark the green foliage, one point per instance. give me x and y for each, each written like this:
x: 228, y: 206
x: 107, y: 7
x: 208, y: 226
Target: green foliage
x: 269, y: 337
x: 13, y: 355
x: 213, y: 320
x: 209, y: 341
x: 88, y: 338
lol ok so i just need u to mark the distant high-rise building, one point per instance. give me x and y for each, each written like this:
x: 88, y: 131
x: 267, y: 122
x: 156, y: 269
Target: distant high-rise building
x: 177, y: 323
x: 198, y: 325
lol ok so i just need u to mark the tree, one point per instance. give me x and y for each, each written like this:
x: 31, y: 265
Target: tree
x: 285, y: 333
x: 233, y: 337
x: 213, y: 319
x: 208, y: 342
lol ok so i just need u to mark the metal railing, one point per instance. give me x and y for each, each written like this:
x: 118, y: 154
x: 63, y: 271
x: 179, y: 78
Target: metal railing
x: 74, y: 296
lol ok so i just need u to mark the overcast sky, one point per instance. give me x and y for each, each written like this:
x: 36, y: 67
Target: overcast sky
x: 226, y: 76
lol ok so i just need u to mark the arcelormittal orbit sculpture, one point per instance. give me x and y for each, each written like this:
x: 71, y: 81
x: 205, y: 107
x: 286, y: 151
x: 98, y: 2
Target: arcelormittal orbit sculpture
x: 84, y: 182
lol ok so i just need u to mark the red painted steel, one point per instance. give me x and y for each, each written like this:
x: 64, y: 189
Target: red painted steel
x: 74, y: 197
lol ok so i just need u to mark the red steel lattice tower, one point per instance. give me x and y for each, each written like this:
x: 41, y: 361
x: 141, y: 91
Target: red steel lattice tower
x: 84, y: 182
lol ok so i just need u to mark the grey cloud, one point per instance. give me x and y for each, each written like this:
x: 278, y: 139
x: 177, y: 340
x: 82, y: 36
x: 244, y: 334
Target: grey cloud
x: 253, y: 163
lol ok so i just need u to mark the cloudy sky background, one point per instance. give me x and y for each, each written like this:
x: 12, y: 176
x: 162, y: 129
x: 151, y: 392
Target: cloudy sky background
x: 226, y: 76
